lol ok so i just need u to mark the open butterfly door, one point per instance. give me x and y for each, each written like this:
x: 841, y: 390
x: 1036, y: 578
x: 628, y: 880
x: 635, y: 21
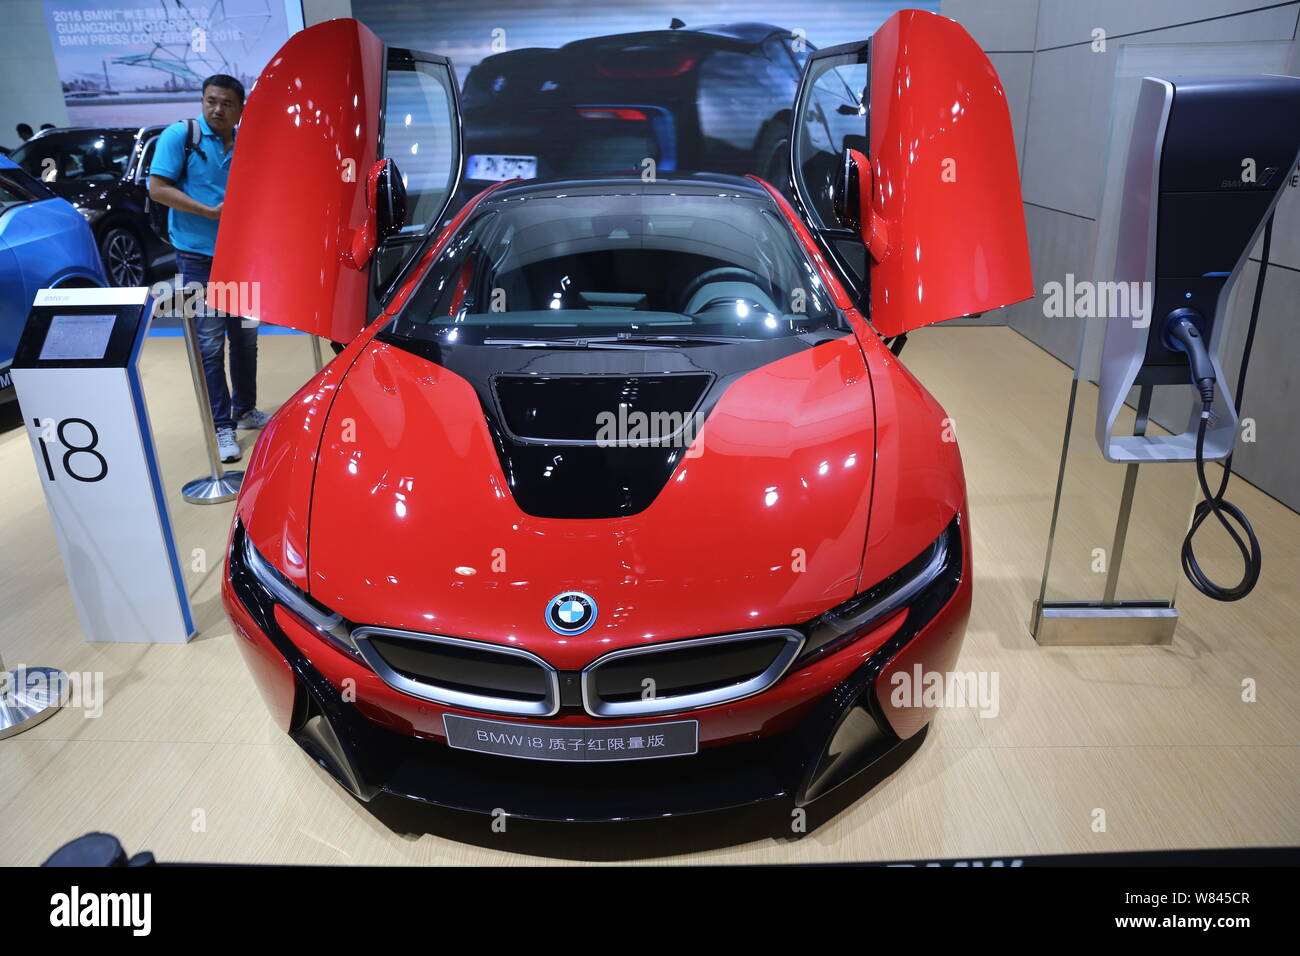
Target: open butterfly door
x: 346, y: 158
x: 914, y: 124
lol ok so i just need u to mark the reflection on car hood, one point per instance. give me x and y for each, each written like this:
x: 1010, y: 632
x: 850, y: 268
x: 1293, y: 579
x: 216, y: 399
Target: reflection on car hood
x: 760, y: 522
x: 80, y: 193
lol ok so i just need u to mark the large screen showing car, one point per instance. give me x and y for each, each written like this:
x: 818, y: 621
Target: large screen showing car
x: 571, y: 88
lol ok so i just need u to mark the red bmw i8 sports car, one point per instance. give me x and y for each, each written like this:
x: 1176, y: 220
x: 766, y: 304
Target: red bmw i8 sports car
x: 618, y: 502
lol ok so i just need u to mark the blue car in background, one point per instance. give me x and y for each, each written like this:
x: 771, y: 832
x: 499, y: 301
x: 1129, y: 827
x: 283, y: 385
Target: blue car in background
x: 44, y: 243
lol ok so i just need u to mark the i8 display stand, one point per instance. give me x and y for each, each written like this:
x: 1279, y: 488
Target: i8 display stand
x: 78, y: 385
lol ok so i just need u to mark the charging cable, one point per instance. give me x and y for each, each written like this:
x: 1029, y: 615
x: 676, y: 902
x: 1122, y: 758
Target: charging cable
x: 1182, y: 333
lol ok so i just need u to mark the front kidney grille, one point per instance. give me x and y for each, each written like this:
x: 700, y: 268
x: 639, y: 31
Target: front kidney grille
x: 684, y: 675
x: 476, y: 675
x: 460, y: 673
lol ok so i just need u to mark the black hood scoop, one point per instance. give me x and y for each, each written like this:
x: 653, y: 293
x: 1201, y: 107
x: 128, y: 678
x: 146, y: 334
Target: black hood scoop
x: 594, y: 445
x: 596, y: 434
x: 599, y: 408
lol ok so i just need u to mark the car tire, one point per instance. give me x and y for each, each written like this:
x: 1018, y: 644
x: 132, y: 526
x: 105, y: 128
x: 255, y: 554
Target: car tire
x: 772, y: 155
x: 122, y: 252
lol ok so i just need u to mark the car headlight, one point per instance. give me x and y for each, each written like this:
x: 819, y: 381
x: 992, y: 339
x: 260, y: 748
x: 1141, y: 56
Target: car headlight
x: 280, y: 590
x: 924, y: 584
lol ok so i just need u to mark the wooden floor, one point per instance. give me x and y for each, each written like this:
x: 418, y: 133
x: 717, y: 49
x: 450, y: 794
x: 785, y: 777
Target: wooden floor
x: 1092, y: 748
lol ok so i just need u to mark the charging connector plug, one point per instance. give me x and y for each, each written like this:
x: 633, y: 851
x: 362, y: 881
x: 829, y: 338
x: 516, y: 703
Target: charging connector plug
x: 1182, y: 333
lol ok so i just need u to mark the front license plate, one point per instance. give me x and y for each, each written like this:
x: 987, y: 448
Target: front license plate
x: 498, y: 168
x: 533, y: 742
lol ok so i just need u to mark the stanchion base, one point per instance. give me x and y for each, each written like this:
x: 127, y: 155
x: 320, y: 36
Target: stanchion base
x: 1132, y: 623
x: 211, y: 491
x: 28, y: 695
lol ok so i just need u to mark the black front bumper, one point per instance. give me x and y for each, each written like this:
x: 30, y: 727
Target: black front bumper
x: 845, y: 738
x: 367, y: 758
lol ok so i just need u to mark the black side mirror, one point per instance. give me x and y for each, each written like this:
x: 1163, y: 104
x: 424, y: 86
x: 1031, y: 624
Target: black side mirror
x: 846, y: 193
x: 390, y: 199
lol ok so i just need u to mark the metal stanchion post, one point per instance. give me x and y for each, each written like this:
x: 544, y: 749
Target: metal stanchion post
x: 315, y: 353
x: 220, y: 485
x: 28, y: 695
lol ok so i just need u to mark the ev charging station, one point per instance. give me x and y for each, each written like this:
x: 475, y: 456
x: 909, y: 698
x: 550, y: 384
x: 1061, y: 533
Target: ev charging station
x: 1202, y: 174
x: 1206, y: 165
x: 75, y: 372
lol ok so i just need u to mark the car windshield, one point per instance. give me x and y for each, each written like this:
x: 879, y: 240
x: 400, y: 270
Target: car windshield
x: 678, y: 268
x: 79, y: 155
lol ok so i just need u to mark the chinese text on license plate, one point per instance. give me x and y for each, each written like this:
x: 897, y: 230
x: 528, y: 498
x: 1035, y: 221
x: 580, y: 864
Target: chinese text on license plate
x: 539, y: 742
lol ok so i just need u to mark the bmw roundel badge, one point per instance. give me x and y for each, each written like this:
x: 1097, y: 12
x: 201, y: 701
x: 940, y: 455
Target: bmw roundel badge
x: 571, y: 612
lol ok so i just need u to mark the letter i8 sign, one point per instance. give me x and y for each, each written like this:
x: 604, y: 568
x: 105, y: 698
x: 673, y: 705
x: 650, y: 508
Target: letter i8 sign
x: 83, y: 406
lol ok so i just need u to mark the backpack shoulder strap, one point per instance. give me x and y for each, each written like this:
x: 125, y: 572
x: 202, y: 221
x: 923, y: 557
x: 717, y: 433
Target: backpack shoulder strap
x: 193, y: 136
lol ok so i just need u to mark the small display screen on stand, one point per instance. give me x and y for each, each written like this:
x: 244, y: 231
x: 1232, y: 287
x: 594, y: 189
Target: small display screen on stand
x: 77, y: 337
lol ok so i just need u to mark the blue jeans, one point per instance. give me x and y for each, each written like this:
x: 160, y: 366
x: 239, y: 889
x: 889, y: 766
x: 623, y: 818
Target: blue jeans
x: 213, y: 327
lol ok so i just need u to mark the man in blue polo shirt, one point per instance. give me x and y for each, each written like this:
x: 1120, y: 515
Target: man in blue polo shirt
x: 193, y: 183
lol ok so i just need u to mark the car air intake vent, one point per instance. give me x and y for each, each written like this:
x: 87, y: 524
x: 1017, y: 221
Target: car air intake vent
x: 582, y: 408
x: 461, y: 673
x: 683, y: 675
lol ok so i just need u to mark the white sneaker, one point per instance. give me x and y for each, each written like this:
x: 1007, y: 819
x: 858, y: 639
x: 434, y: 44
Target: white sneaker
x: 227, y: 446
x: 253, y: 418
